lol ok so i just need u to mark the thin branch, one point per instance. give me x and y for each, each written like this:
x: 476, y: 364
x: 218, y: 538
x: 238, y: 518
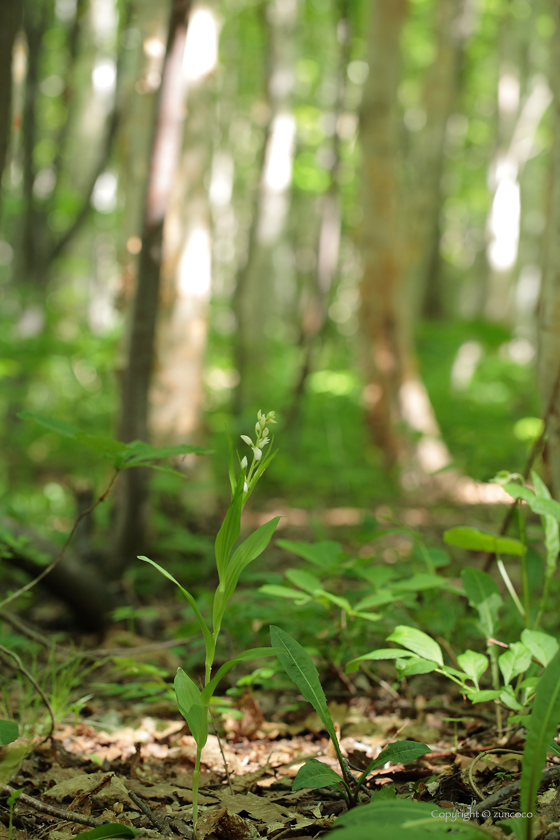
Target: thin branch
x: 4, y: 652
x: 60, y: 554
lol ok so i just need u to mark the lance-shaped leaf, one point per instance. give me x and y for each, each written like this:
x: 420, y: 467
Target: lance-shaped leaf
x: 418, y: 642
x: 208, y: 638
x: 189, y: 701
x: 315, y: 774
x: 542, y: 727
x: 475, y: 540
x: 382, y: 653
x: 300, y: 668
x: 400, y: 752
x: 244, y: 554
x: 229, y: 532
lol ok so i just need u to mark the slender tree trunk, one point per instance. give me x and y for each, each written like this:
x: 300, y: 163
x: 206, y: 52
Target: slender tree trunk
x: 133, y: 499
x: 10, y: 17
x: 396, y: 401
x: 382, y: 301
x: 255, y: 298
x: 549, y: 308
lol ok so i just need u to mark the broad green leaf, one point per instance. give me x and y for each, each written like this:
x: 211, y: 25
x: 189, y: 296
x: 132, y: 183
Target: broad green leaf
x: 247, y: 655
x: 244, y: 554
x: 418, y: 642
x: 473, y: 664
x: 189, y: 701
x: 399, y: 752
x: 8, y: 732
x: 419, y: 582
x: 483, y: 594
x: 476, y: 540
x: 208, y: 638
x: 415, y: 665
x: 309, y: 583
x: 403, y: 819
x: 229, y: 532
x: 300, y: 668
x: 326, y: 554
x: 542, y: 727
x: 375, y: 655
x: 551, y: 528
x: 285, y: 592
x: 483, y: 696
x: 519, y: 491
x: 378, y: 599
x: 315, y: 774
x: 514, y: 661
x: 338, y: 600
x: 508, y: 698
x: 109, y: 830
x: 542, y: 646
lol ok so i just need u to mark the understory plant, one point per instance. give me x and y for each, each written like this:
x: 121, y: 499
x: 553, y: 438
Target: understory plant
x: 515, y: 666
x: 194, y: 702
x: 314, y: 774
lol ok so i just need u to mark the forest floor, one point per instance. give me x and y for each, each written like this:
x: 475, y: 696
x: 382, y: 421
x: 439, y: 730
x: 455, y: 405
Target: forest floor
x: 137, y: 771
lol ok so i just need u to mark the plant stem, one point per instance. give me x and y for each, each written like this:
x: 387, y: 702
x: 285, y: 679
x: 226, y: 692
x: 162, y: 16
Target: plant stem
x: 496, y: 682
x: 511, y: 590
x: 195, y: 781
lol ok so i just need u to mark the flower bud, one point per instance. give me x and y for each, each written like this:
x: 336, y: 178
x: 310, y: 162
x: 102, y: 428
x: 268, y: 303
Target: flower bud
x: 245, y: 487
x: 257, y: 453
x: 246, y: 439
x: 244, y: 463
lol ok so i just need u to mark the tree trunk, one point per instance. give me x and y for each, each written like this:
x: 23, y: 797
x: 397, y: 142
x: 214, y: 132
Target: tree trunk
x: 177, y: 389
x: 399, y: 411
x: 133, y: 498
x: 382, y: 300
x: 549, y: 307
x: 10, y: 17
x: 255, y: 298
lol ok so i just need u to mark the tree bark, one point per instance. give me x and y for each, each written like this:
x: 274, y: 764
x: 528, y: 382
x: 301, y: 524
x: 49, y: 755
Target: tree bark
x: 549, y: 306
x: 382, y: 303
x: 10, y: 17
x: 170, y: 112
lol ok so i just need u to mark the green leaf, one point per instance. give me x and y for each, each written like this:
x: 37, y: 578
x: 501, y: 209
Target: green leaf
x: 418, y: 642
x: 554, y: 748
x: 189, y: 701
x: 483, y: 594
x: 309, y: 583
x: 50, y: 423
x: 514, y: 661
x: 325, y: 554
x: 399, y: 752
x: 367, y: 616
x: 285, y: 592
x: 419, y: 582
x: 483, y: 696
x: 403, y: 819
x: 138, y: 453
x: 8, y: 732
x: 300, y: 668
x: 108, y: 830
x: 229, y: 532
x: 551, y: 527
x: 208, y: 638
x: 508, y: 698
x: 476, y: 540
x: 247, y: 655
x: 374, y: 655
x: 542, y: 646
x: 315, y: 774
x: 415, y: 665
x: 473, y: 664
x: 244, y: 554
x: 542, y: 727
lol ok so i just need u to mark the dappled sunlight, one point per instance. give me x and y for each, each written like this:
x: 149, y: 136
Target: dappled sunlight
x: 201, y: 48
x: 195, y: 267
